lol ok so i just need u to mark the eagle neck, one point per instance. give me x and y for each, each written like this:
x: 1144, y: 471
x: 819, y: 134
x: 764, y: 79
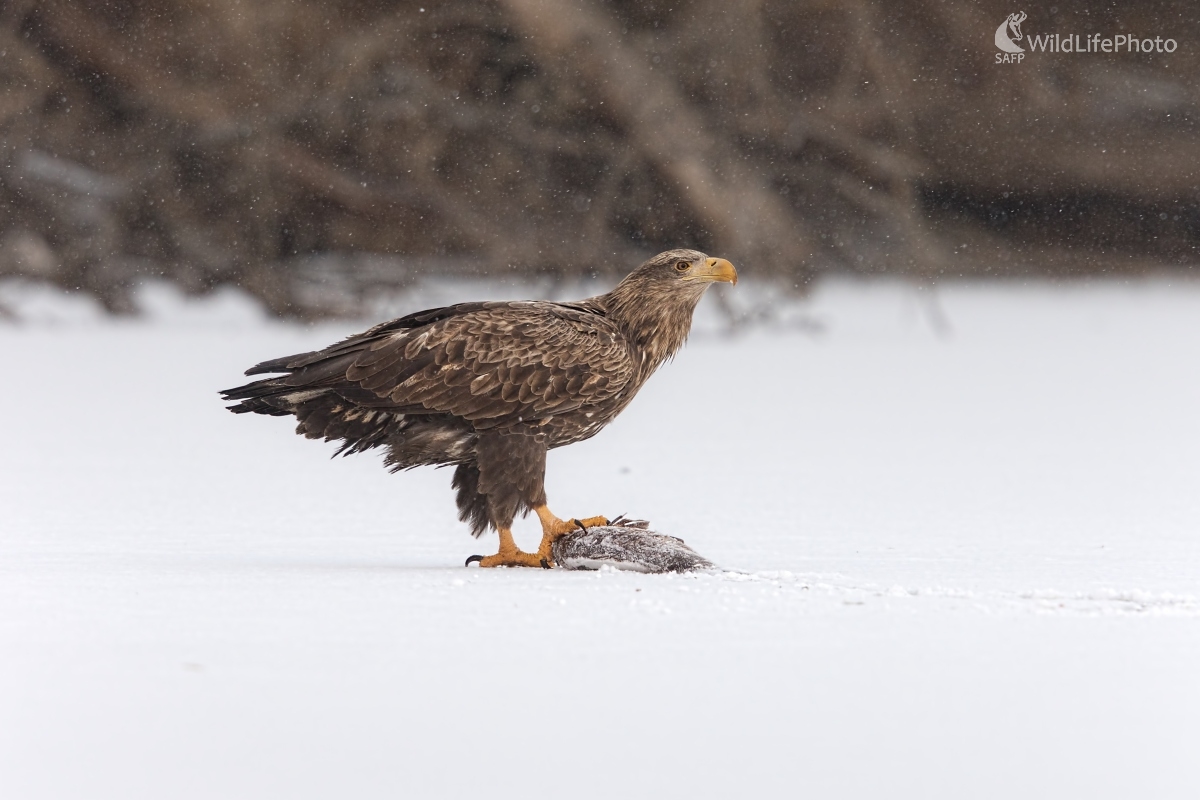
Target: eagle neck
x: 656, y: 326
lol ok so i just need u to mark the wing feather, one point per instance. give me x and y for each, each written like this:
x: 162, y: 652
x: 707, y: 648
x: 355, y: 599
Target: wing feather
x: 492, y: 364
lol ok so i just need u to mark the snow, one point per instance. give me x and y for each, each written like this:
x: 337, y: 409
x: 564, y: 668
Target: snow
x: 966, y: 566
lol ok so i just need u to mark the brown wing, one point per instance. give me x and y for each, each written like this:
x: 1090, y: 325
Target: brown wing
x: 495, y: 365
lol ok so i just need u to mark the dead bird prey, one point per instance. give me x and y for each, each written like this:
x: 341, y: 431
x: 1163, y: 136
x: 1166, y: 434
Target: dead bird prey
x: 490, y: 387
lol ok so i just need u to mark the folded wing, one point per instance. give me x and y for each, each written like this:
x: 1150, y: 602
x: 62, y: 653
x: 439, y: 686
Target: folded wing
x: 489, y: 364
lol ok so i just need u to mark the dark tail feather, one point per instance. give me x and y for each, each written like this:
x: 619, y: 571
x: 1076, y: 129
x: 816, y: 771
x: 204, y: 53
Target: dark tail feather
x: 260, y: 397
x: 279, y: 364
x: 472, y: 506
x: 258, y: 406
x: 263, y: 388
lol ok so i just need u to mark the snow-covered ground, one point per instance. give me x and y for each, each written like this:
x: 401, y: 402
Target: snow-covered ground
x: 968, y: 566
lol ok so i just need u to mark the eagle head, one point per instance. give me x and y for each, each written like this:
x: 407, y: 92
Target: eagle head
x: 654, y: 303
x: 683, y: 271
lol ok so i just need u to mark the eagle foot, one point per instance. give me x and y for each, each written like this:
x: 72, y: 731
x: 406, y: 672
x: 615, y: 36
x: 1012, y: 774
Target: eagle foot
x: 554, y: 527
x: 512, y: 558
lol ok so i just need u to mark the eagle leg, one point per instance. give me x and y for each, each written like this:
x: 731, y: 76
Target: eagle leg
x: 509, y: 475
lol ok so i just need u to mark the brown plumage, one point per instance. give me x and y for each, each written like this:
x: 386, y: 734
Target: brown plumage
x: 490, y: 387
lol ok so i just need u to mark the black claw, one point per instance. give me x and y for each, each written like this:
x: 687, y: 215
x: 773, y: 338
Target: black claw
x: 473, y: 559
x: 580, y: 525
x: 545, y: 564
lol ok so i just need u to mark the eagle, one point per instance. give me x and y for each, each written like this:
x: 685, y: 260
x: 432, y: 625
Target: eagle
x: 490, y: 387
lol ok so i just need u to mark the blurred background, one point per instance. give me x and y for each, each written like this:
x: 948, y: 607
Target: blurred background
x: 319, y: 152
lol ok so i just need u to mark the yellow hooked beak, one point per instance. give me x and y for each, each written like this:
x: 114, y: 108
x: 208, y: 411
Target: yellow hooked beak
x: 718, y: 269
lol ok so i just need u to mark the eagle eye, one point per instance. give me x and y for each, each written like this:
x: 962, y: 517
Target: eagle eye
x: 682, y: 266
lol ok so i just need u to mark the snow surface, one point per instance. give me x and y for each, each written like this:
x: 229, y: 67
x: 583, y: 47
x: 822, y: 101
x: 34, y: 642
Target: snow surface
x: 968, y: 567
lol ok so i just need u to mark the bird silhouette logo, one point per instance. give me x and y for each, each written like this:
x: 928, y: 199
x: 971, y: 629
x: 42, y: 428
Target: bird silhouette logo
x: 1009, y: 43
